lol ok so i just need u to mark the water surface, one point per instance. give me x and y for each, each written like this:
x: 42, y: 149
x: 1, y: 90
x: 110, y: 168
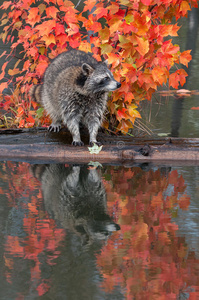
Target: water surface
x: 76, y: 232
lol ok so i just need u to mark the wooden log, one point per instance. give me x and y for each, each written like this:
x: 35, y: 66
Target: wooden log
x: 109, y: 153
x: 36, y: 144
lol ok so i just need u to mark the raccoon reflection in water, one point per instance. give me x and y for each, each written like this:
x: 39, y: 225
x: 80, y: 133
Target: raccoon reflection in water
x: 75, y: 89
x: 75, y: 197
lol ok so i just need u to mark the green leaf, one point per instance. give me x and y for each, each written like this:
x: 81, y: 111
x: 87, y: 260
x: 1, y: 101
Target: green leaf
x: 39, y: 112
x: 129, y: 18
x: 95, y: 149
x: 106, y: 48
x: 95, y: 164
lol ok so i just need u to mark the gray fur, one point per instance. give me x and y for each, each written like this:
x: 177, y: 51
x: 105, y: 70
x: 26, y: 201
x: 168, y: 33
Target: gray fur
x: 76, y: 198
x: 75, y: 90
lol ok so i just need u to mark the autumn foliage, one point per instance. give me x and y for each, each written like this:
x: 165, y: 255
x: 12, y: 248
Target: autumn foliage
x: 132, y: 35
x: 147, y: 258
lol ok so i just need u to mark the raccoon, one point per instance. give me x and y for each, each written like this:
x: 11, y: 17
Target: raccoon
x: 76, y: 198
x: 75, y: 89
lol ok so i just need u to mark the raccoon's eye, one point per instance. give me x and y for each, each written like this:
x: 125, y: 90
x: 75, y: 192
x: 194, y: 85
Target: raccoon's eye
x: 104, y: 79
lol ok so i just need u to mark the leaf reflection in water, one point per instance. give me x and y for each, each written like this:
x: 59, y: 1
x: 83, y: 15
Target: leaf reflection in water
x: 146, y: 257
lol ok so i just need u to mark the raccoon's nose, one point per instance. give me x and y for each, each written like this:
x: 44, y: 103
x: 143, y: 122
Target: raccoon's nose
x: 118, y: 85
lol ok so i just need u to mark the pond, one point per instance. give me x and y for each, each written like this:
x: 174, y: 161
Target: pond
x: 112, y: 232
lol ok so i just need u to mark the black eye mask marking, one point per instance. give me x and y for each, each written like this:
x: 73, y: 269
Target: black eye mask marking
x: 104, y: 80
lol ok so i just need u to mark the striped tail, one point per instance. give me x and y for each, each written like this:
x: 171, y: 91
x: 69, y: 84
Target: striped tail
x: 35, y: 93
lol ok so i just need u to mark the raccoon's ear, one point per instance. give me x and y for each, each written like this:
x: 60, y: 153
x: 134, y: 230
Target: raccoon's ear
x: 87, y: 69
x: 107, y: 64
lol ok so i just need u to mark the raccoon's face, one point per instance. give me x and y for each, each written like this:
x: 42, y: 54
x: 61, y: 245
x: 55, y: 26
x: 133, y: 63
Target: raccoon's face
x: 100, y: 79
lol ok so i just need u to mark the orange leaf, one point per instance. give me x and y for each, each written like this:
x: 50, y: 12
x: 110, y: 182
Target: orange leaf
x: 51, y: 12
x: 3, y: 70
x: 73, y: 29
x: 21, y: 123
x: 160, y: 74
x: 46, y: 27
x: 34, y: 104
x: 50, y: 39
x: 185, y: 57
x: 6, y: 4
x: 113, y: 8
x: 177, y: 77
x: 184, y: 7
x: 184, y: 202
x: 33, y: 16
x: 124, y: 126
x: 89, y: 4
x: 3, y: 86
x: 20, y: 111
x: 143, y: 45
x: 115, y: 24
x: 85, y: 46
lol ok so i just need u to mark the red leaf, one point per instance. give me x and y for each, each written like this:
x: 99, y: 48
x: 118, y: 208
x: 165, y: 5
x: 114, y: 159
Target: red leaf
x: 101, y: 12
x: 41, y: 67
x: 30, y: 120
x: 43, y: 288
x: 122, y: 114
x: 59, y: 29
x: 195, y: 108
x: 146, y: 2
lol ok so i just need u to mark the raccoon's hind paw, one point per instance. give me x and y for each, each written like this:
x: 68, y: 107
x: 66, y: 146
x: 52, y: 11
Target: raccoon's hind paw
x: 96, y: 143
x: 77, y: 143
x: 54, y: 127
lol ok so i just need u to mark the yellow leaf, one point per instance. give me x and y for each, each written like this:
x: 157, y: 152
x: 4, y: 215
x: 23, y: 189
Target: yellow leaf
x: 132, y: 110
x: 13, y: 72
x: 85, y: 46
x: 104, y: 34
x: 106, y: 48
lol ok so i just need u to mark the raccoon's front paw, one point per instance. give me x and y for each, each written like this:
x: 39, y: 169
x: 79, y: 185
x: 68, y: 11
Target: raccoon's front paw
x: 54, y: 127
x: 77, y: 143
x: 96, y: 143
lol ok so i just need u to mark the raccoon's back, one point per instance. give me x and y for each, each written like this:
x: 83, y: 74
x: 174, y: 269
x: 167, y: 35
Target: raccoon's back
x: 71, y: 58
